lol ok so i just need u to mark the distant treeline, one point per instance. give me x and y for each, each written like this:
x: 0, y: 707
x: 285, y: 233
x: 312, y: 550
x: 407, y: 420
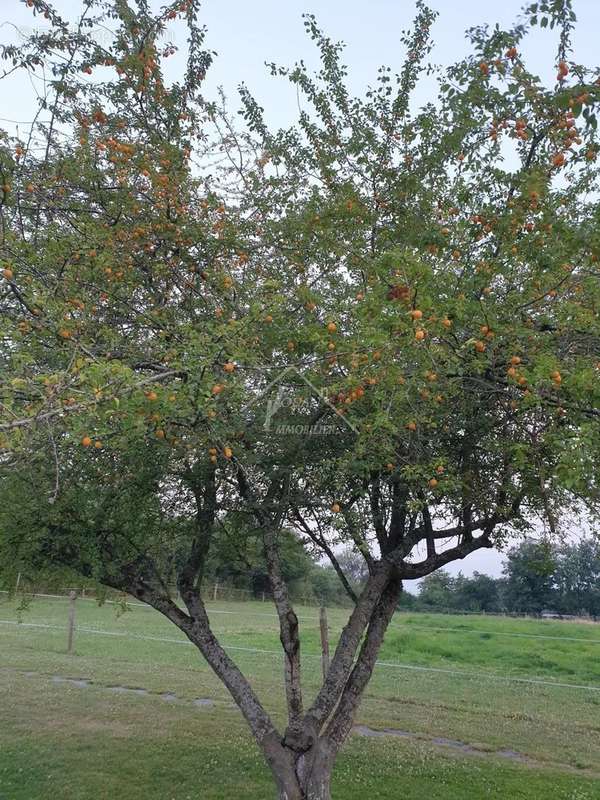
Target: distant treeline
x: 538, y: 577
x: 562, y: 578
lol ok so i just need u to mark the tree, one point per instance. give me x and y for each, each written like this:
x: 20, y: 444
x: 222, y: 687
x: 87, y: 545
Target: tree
x: 436, y: 591
x: 529, y: 571
x: 368, y: 328
x: 577, y: 577
x: 478, y: 593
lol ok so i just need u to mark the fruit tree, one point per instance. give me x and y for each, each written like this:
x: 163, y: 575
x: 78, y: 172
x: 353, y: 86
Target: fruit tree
x: 377, y: 328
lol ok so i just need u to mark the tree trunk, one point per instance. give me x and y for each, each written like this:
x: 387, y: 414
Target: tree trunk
x: 316, y: 791
x: 310, y: 778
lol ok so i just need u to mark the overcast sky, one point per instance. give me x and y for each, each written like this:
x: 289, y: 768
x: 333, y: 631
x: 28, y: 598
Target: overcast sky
x: 248, y: 34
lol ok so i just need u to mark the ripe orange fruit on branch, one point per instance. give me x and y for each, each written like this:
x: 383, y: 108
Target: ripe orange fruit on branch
x: 416, y: 313
x: 336, y: 508
x: 515, y: 360
x: 86, y: 441
x: 98, y: 444
x: 433, y: 482
x: 8, y: 273
x: 420, y: 334
x: 152, y: 396
x: 227, y: 452
x: 229, y: 366
x: 479, y: 346
x: 331, y: 327
x: 411, y: 426
x: 217, y: 388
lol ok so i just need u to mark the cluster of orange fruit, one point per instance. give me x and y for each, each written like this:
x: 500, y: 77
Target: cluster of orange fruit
x: 563, y: 71
x: 213, y: 453
x: 87, y: 442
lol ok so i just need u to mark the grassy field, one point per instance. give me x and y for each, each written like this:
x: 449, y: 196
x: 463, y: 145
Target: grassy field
x: 482, y: 707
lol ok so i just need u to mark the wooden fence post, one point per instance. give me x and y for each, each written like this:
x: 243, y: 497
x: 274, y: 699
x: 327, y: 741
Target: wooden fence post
x: 324, y: 641
x: 215, y: 591
x: 71, y: 628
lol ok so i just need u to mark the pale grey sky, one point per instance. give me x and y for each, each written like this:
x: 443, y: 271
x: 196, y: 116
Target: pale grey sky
x: 246, y: 35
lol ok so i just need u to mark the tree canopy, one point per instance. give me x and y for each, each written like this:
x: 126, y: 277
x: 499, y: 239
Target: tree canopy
x: 377, y: 328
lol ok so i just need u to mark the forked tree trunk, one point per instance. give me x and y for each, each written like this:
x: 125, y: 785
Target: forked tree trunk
x: 310, y: 777
x: 302, y: 759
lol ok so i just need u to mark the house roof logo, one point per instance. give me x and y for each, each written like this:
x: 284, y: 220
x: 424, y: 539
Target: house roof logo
x: 275, y: 394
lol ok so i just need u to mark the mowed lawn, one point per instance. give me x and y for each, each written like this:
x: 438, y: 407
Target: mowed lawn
x: 486, y: 707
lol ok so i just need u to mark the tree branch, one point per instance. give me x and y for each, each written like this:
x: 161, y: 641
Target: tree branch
x: 343, y: 716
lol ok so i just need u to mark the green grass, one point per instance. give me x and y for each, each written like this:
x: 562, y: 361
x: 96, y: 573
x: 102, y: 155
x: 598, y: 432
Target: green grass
x: 58, y: 740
